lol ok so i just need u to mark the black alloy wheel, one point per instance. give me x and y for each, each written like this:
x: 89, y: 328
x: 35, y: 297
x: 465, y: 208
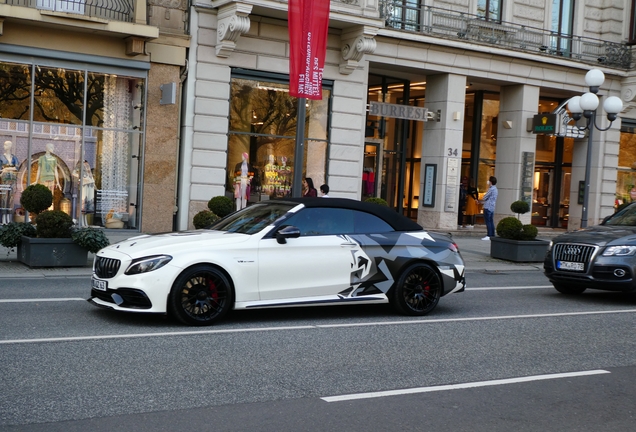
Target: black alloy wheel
x: 418, y: 290
x: 201, y: 295
x: 569, y: 290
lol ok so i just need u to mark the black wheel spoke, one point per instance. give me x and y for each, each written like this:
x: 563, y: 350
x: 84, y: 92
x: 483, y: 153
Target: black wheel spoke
x: 420, y: 290
x: 203, y: 296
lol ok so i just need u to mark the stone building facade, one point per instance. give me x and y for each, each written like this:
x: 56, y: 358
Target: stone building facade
x: 482, y: 74
x: 86, y: 81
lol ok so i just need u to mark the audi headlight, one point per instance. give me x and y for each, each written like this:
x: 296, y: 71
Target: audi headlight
x: 550, y: 246
x: 619, y: 251
x: 147, y: 264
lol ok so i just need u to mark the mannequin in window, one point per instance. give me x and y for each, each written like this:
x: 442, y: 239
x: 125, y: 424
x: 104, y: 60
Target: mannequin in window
x: 284, y: 167
x: 88, y: 188
x: 270, y: 166
x: 47, y: 169
x: 8, y: 179
x: 243, y: 174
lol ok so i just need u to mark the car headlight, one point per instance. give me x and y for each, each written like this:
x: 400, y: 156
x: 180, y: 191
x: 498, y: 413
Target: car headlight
x: 550, y: 246
x: 619, y: 251
x: 147, y: 264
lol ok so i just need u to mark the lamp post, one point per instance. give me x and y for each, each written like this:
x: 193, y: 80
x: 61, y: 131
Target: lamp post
x: 585, y: 106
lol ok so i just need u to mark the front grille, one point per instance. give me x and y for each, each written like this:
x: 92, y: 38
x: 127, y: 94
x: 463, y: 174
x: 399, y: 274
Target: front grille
x: 106, y: 267
x: 573, y: 252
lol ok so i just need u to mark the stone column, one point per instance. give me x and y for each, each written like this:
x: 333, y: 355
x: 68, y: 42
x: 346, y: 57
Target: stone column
x: 442, y: 146
x: 517, y: 104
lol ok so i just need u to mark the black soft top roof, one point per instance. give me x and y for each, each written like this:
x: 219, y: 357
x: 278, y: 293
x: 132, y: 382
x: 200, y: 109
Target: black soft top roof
x: 396, y: 220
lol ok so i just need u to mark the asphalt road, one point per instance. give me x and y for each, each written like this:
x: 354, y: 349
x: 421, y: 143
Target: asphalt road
x: 488, y: 359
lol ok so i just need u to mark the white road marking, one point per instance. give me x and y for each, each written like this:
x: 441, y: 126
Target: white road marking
x: 41, y: 300
x: 489, y: 318
x: 143, y: 335
x: 509, y: 287
x: 310, y: 327
x: 460, y: 386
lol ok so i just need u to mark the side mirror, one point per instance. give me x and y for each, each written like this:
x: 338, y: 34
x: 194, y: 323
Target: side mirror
x: 286, y: 232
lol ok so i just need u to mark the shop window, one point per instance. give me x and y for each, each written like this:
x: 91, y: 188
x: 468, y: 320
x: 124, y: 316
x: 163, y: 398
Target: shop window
x: 488, y: 141
x: 626, y: 176
x: 85, y: 148
x: 263, y: 134
x: 59, y: 95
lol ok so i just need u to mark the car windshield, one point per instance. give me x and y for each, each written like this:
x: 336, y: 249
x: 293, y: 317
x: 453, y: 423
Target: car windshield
x: 625, y: 217
x: 252, y: 219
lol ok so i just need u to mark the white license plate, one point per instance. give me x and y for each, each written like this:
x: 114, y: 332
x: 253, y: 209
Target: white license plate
x: 567, y: 265
x: 99, y: 284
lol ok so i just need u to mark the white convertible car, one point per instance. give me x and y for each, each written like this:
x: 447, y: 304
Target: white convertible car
x: 280, y: 253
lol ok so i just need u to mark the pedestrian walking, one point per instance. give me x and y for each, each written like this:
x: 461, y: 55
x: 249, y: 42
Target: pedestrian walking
x: 489, y: 200
x: 472, y: 199
x: 462, y: 202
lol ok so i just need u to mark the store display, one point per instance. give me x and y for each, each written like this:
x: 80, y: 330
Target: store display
x: 87, y: 186
x: 47, y: 169
x: 277, y: 179
x: 8, y: 179
x: 113, y: 195
x: 243, y: 175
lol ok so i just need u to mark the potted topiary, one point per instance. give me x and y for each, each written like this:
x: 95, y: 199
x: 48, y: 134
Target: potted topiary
x: 52, y: 246
x: 55, y: 242
x: 36, y: 198
x: 516, y: 241
x: 11, y: 234
x: 204, y: 219
x: 91, y: 239
x: 376, y: 200
x: 221, y: 206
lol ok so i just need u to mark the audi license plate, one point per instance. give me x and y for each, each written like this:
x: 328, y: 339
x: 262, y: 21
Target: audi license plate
x: 567, y: 265
x: 99, y: 284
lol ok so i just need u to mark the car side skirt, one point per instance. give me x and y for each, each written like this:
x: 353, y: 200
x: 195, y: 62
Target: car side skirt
x: 313, y: 301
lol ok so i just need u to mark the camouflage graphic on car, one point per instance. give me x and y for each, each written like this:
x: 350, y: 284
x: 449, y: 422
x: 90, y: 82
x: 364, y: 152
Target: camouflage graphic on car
x: 381, y: 258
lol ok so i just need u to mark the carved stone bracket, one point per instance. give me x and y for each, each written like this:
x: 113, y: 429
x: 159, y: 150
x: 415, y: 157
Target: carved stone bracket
x: 233, y: 21
x: 356, y: 42
x: 628, y: 95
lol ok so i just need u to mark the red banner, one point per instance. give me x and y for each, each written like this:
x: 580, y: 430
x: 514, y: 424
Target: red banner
x: 308, y: 26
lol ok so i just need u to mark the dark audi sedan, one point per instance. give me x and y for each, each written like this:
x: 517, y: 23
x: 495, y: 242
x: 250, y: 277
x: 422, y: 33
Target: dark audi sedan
x: 600, y: 257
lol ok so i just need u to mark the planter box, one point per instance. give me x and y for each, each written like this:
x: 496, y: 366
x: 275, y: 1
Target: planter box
x: 56, y: 252
x: 518, y: 250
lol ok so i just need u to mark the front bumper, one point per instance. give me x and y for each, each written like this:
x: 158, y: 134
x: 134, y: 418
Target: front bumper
x: 125, y: 298
x: 144, y: 292
x: 603, y: 273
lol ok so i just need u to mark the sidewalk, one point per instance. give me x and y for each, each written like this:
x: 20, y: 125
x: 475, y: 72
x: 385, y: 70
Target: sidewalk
x: 476, y: 254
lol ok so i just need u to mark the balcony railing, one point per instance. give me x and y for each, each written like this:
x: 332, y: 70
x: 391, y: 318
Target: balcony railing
x: 462, y: 26
x: 115, y: 10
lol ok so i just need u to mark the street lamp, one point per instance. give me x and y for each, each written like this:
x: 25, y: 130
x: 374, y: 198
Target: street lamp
x: 586, y: 105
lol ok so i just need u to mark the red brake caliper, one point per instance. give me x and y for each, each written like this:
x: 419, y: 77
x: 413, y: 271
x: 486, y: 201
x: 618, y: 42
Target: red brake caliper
x: 213, y: 291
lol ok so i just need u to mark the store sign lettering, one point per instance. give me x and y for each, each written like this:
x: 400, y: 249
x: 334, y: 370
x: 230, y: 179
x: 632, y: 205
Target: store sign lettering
x: 398, y: 111
x: 544, y: 124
